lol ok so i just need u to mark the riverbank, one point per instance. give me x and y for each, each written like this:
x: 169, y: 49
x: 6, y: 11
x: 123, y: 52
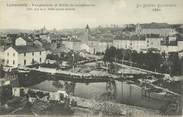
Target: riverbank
x: 107, y: 108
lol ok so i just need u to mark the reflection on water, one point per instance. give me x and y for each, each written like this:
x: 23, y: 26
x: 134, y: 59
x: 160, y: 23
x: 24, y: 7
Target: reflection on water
x: 90, y: 91
x: 132, y: 94
x: 125, y: 93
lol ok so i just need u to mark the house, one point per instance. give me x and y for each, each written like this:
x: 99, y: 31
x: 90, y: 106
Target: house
x: 45, y: 37
x: 43, y: 95
x: 103, y: 45
x: 153, y: 41
x: 23, y: 41
x: 172, y: 43
x: 72, y: 44
x: 61, y: 51
x: 93, y: 46
x: 44, y: 91
x: 24, y: 55
x: 162, y: 29
x: 98, y: 43
x: 134, y: 42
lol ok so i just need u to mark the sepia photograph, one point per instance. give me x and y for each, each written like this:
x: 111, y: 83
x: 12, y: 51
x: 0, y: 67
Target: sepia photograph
x: 91, y: 58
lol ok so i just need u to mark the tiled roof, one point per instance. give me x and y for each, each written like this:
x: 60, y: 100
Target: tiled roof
x: 27, y: 39
x: 133, y: 37
x: 22, y: 49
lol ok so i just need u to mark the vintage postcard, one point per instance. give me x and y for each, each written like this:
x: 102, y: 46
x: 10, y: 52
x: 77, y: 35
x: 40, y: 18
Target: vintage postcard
x: 87, y: 58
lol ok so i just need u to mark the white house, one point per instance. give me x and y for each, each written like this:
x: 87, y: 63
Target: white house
x: 20, y: 41
x: 24, y: 55
x: 103, y: 45
x: 153, y: 42
x: 162, y: 29
x: 134, y: 42
x: 23, y: 41
x: 72, y: 44
x: 169, y: 48
x: 137, y: 45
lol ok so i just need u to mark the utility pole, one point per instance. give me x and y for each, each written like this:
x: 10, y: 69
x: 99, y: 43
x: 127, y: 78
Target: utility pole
x: 130, y: 55
x: 73, y: 61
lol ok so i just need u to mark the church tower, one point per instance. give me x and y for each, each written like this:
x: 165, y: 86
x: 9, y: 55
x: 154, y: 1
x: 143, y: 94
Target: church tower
x: 87, y: 29
x: 86, y: 34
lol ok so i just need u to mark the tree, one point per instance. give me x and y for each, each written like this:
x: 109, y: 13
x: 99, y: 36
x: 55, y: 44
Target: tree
x: 2, y: 72
x: 57, y: 84
x: 52, y: 57
x: 175, y: 66
x: 110, y: 54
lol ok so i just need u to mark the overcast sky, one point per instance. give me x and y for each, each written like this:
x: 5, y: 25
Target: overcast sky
x: 105, y: 12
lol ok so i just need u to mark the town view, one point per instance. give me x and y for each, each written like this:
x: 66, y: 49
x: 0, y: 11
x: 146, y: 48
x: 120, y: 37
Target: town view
x: 128, y: 70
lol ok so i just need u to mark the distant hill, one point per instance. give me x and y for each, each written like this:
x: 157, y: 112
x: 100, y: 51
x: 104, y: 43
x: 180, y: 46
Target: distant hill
x: 15, y: 30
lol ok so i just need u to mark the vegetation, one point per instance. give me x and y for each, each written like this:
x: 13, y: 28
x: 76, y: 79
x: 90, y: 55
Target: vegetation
x: 52, y: 57
x: 2, y: 72
x: 58, y: 84
x: 150, y: 60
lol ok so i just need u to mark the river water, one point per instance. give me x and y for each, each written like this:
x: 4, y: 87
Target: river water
x: 125, y: 93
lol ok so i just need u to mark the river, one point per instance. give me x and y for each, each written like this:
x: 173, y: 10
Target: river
x: 125, y: 93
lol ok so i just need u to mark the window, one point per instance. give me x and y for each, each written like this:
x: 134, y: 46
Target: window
x: 40, y: 60
x: 13, y: 62
x: 8, y: 54
x: 32, y: 53
x: 24, y: 62
x: 7, y: 62
x: 13, y: 54
x: 24, y: 54
x: 40, y: 52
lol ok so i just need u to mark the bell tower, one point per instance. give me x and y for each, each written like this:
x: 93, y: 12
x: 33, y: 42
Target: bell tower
x: 86, y: 34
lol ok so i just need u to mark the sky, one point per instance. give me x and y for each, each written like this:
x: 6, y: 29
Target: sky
x: 104, y: 12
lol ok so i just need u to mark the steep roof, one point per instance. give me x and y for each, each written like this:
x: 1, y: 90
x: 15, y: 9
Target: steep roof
x: 22, y: 49
x: 27, y: 39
